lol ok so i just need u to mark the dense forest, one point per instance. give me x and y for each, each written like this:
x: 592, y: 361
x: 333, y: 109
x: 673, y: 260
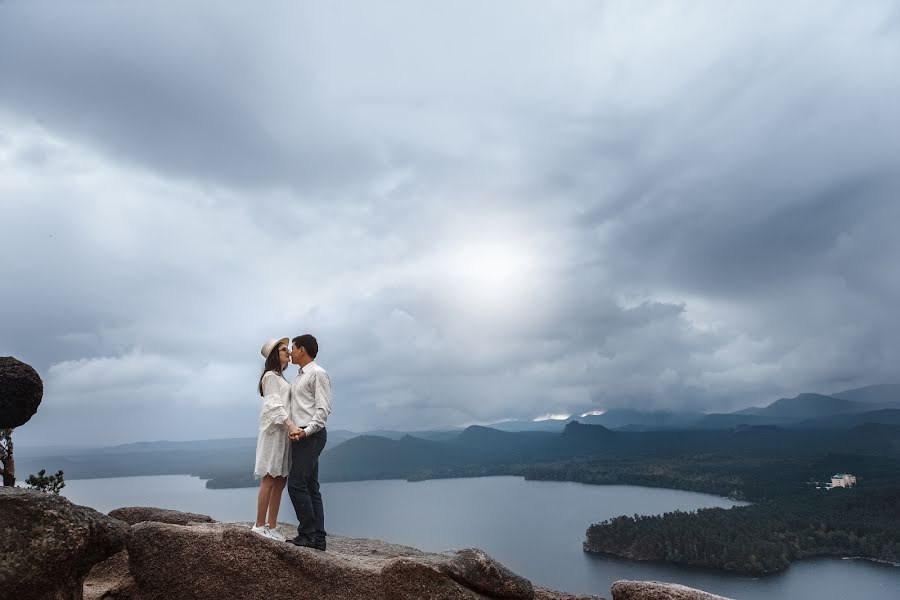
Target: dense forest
x: 764, y: 537
x: 740, y: 477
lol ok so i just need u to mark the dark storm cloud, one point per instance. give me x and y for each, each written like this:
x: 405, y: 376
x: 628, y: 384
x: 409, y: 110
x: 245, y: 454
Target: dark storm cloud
x: 497, y: 212
x: 179, y: 96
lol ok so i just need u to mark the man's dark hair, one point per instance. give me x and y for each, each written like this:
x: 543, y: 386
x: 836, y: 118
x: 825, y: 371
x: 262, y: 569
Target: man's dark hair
x: 309, y: 343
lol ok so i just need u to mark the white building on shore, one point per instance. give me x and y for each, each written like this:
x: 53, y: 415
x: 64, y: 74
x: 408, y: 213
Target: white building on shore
x: 843, y: 480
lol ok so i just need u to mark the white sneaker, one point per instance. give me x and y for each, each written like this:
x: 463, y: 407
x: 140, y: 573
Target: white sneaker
x: 277, y: 535
x: 261, y: 530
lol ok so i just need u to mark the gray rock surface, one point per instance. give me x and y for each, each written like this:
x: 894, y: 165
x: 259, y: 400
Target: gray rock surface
x: 107, y: 578
x: 137, y: 514
x: 189, y: 556
x: 226, y: 560
x: 49, y: 544
x: 657, y: 590
x: 21, y: 391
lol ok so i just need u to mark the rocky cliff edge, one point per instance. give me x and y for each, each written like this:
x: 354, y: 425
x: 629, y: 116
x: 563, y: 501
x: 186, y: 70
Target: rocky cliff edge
x: 59, y: 551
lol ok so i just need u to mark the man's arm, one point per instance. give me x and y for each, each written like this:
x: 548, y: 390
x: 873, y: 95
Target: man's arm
x: 322, y: 394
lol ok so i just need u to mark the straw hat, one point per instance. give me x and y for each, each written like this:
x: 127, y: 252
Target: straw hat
x: 267, y: 347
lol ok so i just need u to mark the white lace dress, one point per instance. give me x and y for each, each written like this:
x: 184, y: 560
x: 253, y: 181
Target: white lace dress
x: 273, y: 448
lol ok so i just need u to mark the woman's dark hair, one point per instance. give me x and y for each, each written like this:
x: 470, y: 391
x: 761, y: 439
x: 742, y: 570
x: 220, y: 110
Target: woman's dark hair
x: 309, y: 343
x: 273, y: 363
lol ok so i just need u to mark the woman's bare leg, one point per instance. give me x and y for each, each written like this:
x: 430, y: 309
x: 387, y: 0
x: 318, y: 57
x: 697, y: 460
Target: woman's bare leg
x: 262, y: 501
x: 275, y: 500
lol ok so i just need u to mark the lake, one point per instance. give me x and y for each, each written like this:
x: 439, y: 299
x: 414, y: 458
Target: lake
x: 536, y: 528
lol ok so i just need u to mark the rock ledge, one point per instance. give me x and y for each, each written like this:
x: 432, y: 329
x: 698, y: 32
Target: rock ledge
x: 210, y: 560
x: 171, y: 554
x: 656, y: 590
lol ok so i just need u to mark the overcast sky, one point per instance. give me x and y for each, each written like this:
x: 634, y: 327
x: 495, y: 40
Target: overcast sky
x: 483, y: 210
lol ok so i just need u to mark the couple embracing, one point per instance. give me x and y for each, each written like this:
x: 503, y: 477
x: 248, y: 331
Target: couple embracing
x: 291, y: 438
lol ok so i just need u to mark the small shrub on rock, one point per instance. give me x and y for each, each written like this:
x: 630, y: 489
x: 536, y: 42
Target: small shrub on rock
x: 46, y: 483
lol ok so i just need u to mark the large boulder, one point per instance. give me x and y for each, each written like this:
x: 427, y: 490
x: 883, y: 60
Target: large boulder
x: 226, y: 560
x: 656, y: 590
x: 49, y: 544
x: 21, y: 391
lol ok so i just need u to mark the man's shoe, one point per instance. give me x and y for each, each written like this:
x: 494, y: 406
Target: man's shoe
x: 303, y: 542
x: 320, y: 544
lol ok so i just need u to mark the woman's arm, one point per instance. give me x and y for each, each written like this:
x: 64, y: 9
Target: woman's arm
x: 274, y: 410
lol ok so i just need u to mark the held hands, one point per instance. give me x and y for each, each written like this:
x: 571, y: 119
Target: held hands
x: 296, y: 434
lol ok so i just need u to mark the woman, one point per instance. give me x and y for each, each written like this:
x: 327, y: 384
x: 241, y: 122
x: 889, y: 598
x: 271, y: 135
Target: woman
x: 273, y: 448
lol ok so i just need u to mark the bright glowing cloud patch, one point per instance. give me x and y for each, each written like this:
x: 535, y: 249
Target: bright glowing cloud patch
x: 593, y: 413
x: 552, y: 417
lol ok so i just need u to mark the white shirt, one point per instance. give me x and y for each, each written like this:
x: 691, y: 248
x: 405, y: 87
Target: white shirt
x: 311, y: 398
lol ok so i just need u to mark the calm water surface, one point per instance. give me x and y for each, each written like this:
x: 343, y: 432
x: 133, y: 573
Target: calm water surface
x: 534, y: 527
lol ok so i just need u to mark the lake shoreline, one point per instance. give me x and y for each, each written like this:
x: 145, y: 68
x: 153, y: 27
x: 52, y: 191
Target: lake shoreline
x: 749, y: 575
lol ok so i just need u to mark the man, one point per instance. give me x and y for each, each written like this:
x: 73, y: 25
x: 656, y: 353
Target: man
x: 310, y: 407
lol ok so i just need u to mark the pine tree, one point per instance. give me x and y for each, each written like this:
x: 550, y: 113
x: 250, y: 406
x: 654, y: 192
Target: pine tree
x: 46, y: 483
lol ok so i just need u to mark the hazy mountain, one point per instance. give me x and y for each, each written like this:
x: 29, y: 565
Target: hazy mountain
x: 478, y: 436
x: 813, y: 406
x: 487, y: 449
x: 481, y: 451
x: 545, y: 425
x: 185, y: 446
x: 751, y: 410
x: 806, y: 407
x: 35, y: 451
x: 436, y: 434
x: 866, y: 420
x: 577, y: 429
x: 886, y: 416
x: 783, y: 412
x: 810, y: 406
x: 484, y: 445
x: 616, y: 417
x: 335, y: 437
x: 887, y: 393
x: 123, y: 463
x: 729, y: 420
x: 375, y: 457
x: 662, y: 419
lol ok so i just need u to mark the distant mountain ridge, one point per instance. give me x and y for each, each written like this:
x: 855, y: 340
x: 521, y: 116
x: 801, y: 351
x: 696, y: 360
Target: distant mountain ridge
x: 816, y: 419
x: 808, y: 406
x: 481, y: 450
x: 884, y: 393
x: 842, y: 410
x: 555, y: 425
x: 845, y: 409
x: 620, y: 417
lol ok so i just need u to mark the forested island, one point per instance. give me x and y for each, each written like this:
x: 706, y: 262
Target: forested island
x: 761, y: 538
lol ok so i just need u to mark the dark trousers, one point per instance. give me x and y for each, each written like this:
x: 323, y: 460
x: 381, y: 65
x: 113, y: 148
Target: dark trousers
x: 303, y: 485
